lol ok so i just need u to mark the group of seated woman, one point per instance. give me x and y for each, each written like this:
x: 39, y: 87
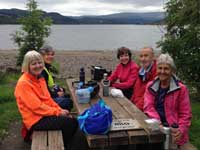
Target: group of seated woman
x: 154, y: 89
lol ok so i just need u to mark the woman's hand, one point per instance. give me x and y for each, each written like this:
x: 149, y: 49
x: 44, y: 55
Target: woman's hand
x: 61, y: 92
x: 176, y: 134
x: 64, y: 112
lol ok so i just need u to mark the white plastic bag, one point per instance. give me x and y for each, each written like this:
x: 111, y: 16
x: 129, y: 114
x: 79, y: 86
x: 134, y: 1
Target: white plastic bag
x: 116, y: 93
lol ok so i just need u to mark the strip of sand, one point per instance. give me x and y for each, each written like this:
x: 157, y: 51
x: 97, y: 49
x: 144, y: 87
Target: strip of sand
x: 69, y: 61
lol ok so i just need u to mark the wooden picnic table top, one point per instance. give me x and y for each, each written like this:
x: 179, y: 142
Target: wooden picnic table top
x: 122, y: 108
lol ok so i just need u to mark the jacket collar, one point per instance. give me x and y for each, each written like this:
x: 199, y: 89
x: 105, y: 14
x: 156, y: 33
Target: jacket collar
x: 31, y: 77
x: 47, y: 66
x: 143, y: 72
x: 124, y: 65
x: 154, y: 87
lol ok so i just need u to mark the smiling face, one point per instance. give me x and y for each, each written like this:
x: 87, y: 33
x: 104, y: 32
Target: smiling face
x: 124, y: 58
x: 36, y: 67
x: 146, y: 57
x: 164, y: 72
x: 48, y: 57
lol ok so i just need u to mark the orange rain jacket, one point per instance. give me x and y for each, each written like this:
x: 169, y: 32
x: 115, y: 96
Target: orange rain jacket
x: 33, y: 100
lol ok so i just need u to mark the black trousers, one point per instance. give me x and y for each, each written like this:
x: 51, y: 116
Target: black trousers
x: 67, y: 125
x: 128, y: 93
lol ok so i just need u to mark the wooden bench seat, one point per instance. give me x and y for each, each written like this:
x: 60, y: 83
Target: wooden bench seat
x: 47, y: 140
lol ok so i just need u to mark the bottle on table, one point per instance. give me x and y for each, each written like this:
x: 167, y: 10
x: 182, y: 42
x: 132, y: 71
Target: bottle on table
x: 82, y: 75
x: 166, y: 131
x: 173, y: 145
x: 106, y: 84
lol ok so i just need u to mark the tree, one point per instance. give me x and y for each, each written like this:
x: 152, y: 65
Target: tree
x: 182, y: 39
x: 33, y: 31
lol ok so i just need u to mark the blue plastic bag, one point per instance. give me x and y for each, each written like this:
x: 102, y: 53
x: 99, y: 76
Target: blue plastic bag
x: 97, y: 119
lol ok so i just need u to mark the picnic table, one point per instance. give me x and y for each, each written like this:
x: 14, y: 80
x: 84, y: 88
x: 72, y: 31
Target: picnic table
x: 122, y: 108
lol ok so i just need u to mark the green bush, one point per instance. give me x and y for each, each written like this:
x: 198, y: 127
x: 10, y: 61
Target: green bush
x: 55, y: 67
x: 182, y: 39
x: 35, y: 27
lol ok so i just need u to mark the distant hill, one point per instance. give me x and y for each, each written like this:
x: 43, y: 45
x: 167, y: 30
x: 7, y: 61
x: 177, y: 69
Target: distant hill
x: 10, y: 16
x: 125, y: 18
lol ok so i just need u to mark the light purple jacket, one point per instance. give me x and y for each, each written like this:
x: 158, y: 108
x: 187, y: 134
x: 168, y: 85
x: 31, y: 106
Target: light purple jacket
x: 176, y: 104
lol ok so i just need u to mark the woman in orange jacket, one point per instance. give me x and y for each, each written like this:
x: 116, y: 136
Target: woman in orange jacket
x: 37, y: 108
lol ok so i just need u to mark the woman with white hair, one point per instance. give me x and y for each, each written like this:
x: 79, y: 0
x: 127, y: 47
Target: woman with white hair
x: 167, y: 100
x: 37, y: 108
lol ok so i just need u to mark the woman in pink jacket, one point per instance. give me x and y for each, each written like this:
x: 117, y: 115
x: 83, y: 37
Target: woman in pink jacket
x: 167, y: 100
x: 124, y: 76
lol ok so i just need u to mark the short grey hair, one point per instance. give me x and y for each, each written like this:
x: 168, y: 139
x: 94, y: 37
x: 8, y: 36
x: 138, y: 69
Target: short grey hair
x: 46, y: 49
x: 29, y: 57
x: 148, y: 47
x: 166, y: 59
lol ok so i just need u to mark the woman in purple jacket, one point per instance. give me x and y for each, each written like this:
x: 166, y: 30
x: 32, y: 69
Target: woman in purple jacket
x: 167, y: 100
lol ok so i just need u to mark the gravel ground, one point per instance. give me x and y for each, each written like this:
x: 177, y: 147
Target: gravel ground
x: 69, y: 61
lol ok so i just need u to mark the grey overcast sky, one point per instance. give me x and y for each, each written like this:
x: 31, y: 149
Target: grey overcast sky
x: 89, y: 7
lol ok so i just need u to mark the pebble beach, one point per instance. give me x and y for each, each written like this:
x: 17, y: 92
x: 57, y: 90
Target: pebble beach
x: 69, y: 62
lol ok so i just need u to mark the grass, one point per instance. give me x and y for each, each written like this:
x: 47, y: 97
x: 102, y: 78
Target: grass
x: 6, y: 93
x: 7, y: 82
x: 8, y: 78
x: 195, y: 127
x: 8, y: 108
x: 9, y: 111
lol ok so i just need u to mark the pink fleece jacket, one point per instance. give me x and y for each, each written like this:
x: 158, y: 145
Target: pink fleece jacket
x: 176, y: 104
x: 125, y: 74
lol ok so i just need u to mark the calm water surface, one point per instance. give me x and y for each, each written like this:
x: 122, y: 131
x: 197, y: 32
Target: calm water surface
x: 92, y: 37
